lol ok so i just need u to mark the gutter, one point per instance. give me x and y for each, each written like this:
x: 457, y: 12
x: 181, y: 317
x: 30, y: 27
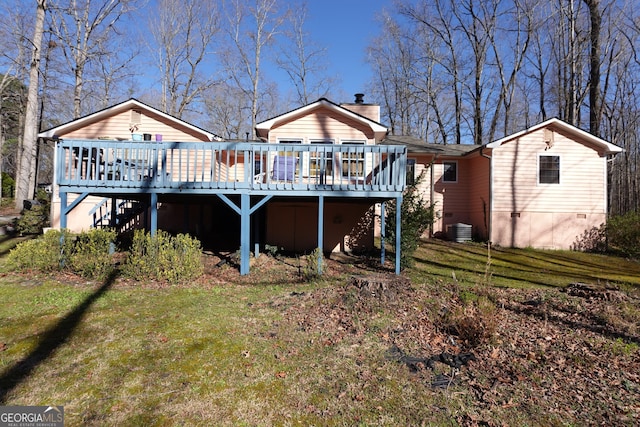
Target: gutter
x: 490, y: 208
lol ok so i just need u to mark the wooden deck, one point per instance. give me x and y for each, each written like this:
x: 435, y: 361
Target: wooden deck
x: 244, y: 175
x: 108, y: 167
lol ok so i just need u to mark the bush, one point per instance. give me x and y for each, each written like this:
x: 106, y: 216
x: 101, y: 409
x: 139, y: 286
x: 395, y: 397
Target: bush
x: 312, y: 270
x: 623, y: 233
x: 33, y: 220
x: 163, y: 257
x: 8, y: 185
x: 416, y: 218
x: 87, y: 254
x: 42, y: 254
x: 91, y: 253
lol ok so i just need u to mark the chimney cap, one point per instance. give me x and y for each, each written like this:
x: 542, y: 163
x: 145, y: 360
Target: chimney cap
x: 359, y: 98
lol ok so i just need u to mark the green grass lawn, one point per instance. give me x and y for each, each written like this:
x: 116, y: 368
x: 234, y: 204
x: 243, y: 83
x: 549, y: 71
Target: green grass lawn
x: 117, y: 354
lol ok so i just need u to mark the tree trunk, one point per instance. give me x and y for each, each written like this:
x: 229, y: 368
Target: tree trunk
x: 25, y: 175
x: 594, y: 72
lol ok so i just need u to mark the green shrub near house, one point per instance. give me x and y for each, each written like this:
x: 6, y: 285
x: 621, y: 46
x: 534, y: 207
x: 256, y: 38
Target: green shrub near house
x: 416, y: 215
x: 88, y: 254
x: 164, y: 257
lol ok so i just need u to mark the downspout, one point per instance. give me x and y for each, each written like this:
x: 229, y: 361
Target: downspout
x: 432, y: 191
x: 490, y: 208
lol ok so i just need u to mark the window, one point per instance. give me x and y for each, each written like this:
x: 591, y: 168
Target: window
x: 321, y: 162
x: 549, y: 169
x: 288, y: 151
x: 450, y: 171
x: 411, y: 171
x: 353, y: 160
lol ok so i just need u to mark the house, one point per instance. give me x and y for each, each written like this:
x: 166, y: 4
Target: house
x: 310, y: 181
x: 542, y: 187
x: 314, y: 177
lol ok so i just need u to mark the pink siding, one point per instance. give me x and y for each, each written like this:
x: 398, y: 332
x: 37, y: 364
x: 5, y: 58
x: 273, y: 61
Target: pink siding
x: 117, y: 126
x: 370, y: 111
x: 526, y: 213
x: 322, y: 124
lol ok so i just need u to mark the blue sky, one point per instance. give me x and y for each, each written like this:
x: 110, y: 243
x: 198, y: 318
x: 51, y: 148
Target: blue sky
x: 345, y: 28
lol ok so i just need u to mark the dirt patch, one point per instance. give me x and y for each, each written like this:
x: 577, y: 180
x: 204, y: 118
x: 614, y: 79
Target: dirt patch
x: 552, y: 356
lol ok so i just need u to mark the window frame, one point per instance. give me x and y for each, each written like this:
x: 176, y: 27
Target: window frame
x: 444, y: 171
x: 358, y: 159
x: 411, y: 171
x: 316, y: 159
x: 558, y: 170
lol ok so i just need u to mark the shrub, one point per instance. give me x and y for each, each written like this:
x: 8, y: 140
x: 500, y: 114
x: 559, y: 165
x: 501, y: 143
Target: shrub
x: 90, y: 254
x: 33, y: 220
x: 164, y: 257
x: 416, y: 218
x: 311, y: 269
x: 87, y: 254
x: 8, y: 185
x: 42, y: 254
x: 623, y: 233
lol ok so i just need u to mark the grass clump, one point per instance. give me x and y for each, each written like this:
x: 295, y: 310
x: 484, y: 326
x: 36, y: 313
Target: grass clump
x: 473, y: 319
x: 164, y: 257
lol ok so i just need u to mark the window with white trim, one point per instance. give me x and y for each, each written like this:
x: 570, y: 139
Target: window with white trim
x: 290, y: 152
x: 548, y: 169
x: 449, y: 171
x: 353, y: 159
x: 321, y: 162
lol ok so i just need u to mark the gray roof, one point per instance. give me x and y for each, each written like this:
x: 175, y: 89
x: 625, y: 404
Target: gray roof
x: 418, y: 146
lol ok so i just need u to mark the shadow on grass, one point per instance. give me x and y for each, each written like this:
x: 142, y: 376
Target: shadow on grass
x: 51, y: 340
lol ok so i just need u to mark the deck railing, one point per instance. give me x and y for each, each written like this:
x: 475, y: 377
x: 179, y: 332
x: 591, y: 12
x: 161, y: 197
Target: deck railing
x: 127, y: 166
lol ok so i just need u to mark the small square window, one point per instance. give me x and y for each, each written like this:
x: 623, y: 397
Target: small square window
x: 450, y: 172
x: 549, y: 170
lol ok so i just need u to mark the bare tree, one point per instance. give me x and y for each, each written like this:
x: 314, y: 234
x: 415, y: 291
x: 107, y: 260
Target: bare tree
x: 252, y: 27
x: 304, y: 63
x: 82, y: 30
x: 183, y: 33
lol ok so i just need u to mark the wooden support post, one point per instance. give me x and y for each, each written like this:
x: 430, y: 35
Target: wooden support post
x: 63, y: 210
x: 383, y: 232
x: 113, y: 219
x: 398, y: 231
x: 320, y: 232
x: 154, y: 213
x: 245, y: 237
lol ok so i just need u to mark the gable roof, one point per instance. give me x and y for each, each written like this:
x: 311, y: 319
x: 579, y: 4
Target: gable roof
x: 578, y: 133
x: 118, y: 108
x: 263, y: 128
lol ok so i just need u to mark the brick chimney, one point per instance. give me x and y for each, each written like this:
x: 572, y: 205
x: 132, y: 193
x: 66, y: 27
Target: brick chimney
x: 370, y: 111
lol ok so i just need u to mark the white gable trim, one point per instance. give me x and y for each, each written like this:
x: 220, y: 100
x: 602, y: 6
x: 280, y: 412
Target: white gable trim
x: 607, y: 146
x: 263, y: 128
x: 118, y: 108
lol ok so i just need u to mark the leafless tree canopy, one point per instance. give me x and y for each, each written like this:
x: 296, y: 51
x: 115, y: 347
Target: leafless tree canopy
x: 446, y: 71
